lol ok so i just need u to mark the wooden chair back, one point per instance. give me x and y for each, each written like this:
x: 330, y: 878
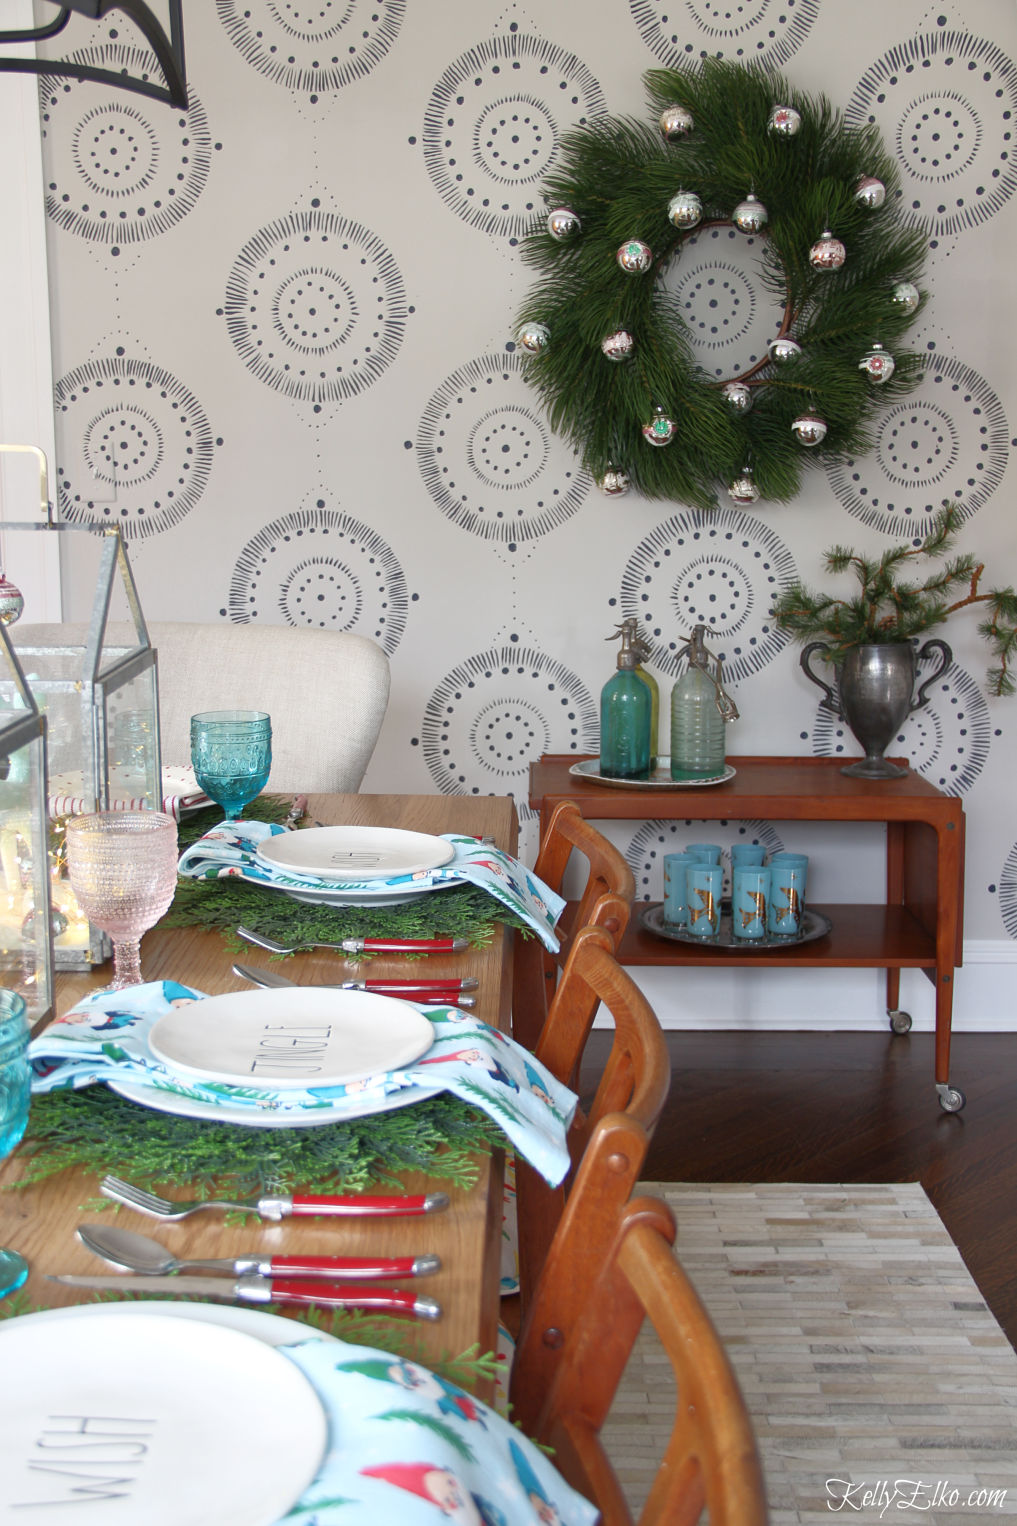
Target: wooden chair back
x: 634, y: 1082
x: 611, y: 1265
x: 536, y: 970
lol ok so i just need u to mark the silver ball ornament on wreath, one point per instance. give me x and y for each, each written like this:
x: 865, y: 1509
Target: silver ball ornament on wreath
x: 660, y: 430
x: 614, y: 483
x: 675, y: 122
x: 635, y: 257
x: 685, y: 209
x: 563, y: 223
x: 827, y: 253
x: 737, y: 396
x: 877, y: 364
x: 743, y: 490
x: 870, y: 192
x: 750, y: 216
x: 809, y: 429
x: 12, y: 601
x: 906, y: 297
x: 619, y: 345
x: 533, y: 337
x: 782, y: 349
x: 784, y: 121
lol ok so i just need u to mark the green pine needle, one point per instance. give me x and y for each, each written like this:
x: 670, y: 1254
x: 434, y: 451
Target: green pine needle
x: 892, y: 608
x: 618, y: 175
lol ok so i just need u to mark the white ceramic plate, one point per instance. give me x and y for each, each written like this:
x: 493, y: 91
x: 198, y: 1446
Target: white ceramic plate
x: 271, y: 1329
x: 165, y: 1423
x: 589, y: 769
x: 351, y: 855
x: 296, y: 1037
x: 257, y: 1118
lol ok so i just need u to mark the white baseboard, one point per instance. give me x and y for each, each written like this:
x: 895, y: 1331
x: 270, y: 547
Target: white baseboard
x: 985, y: 996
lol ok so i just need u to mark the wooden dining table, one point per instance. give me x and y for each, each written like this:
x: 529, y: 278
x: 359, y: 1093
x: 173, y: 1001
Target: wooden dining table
x: 39, y: 1220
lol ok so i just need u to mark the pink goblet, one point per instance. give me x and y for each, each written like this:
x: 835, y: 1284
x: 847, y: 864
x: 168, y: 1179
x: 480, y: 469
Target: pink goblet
x: 123, y: 871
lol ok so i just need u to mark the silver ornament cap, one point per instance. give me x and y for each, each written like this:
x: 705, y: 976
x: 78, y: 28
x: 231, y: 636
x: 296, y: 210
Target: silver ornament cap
x: 737, y: 396
x: 660, y: 430
x: 614, y: 483
x: 827, y: 253
x: 743, y: 490
x: 877, y: 364
x: 870, y: 192
x: 563, y: 223
x: 533, y: 337
x: 685, y: 209
x: 905, y: 296
x: 675, y: 122
x: 784, y: 121
x: 750, y: 216
x: 809, y: 429
x: 619, y: 345
x: 783, y: 349
x: 635, y: 257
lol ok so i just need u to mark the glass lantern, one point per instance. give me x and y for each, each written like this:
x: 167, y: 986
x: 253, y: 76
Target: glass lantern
x: 27, y: 924
x: 96, y: 684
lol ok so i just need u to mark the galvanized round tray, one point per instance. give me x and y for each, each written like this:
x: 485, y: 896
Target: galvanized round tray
x: 814, y: 925
x: 589, y: 769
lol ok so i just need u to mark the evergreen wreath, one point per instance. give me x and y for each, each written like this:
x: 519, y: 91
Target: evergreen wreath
x: 606, y: 345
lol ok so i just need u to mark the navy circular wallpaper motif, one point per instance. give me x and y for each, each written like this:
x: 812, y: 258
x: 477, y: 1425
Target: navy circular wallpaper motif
x: 315, y: 307
x: 729, y: 314
x: 316, y: 48
x: 1008, y: 893
x: 493, y: 124
x: 497, y: 711
x: 770, y: 30
x: 947, y: 741
x: 645, y: 853
x: 122, y: 168
x: 948, y: 440
x: 321, y: 568
x: 945, y: 103
x: 488, y: 458
x: 723, y: 569
x: 141, y: 435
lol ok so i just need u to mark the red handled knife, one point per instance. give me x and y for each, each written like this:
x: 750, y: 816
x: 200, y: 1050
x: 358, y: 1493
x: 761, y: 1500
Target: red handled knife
x: 269, y: 1290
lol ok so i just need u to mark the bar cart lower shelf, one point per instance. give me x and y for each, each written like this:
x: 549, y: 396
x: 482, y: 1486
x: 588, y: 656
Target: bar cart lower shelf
x: 919, y: 926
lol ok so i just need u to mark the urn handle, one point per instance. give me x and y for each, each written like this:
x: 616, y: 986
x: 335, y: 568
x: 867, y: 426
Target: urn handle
x: 829, y: 700
x: 922, y: 697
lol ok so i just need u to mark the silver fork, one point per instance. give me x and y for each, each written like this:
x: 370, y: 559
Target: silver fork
x: 276, y: 1205
x: 159, y: 1207
x: 271, y: 946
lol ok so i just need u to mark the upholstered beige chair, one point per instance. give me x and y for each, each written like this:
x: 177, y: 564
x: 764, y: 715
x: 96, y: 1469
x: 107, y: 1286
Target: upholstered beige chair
x: 326, y: 691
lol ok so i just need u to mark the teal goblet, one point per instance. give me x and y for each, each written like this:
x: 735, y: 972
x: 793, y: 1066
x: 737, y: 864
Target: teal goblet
x: 15, y: 1090
x: 231, y: 753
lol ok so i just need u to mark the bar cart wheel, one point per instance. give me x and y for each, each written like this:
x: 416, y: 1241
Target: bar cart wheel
x: 900, y: 1022
x: 951, y: 1099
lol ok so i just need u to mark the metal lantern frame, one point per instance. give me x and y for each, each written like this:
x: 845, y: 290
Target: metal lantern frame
x: 26, y: 938
x: 94, y: 668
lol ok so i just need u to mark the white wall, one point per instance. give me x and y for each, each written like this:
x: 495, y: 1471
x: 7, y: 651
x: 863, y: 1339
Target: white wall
x: 282, y: 341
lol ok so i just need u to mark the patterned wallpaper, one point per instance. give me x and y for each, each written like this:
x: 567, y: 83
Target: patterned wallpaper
x: 284, y: 348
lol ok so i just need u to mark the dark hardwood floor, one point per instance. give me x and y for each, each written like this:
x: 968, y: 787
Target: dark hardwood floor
x: 836, y: 1107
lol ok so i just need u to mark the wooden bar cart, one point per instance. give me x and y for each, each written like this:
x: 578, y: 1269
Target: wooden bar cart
x: 918, y: 926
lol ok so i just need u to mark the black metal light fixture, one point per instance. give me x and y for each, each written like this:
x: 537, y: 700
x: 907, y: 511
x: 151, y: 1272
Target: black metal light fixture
x: 169, y: 51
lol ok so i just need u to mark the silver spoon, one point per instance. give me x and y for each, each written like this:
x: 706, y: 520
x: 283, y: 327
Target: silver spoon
x: 131, y: 1252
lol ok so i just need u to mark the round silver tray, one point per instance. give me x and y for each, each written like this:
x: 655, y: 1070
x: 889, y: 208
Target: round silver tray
x: 589, y: 769
x: 814, y: 925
